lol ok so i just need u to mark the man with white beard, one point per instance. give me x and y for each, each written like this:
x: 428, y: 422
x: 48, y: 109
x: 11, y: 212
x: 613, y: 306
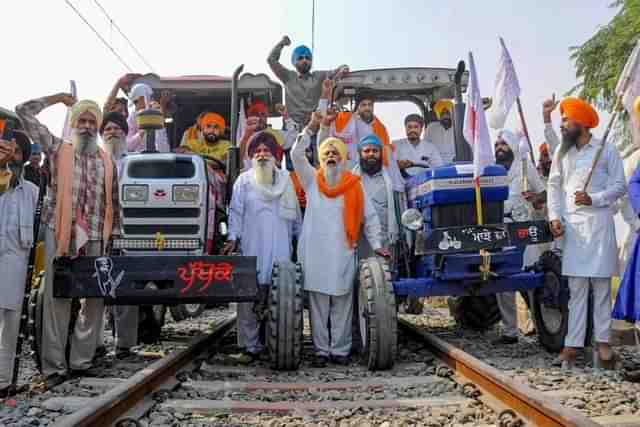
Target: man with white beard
x: 114, y: 131
x: 585, y: 218
x: 263, y: 213
x: 81, y: 214
x: 337, y: 212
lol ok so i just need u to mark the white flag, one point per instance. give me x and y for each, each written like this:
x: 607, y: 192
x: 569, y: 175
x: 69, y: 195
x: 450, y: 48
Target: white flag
x: 506, y: 91
x: 242, y: 122
x: 66, y: 129
x: 629, y: 88
x: 476, y: 131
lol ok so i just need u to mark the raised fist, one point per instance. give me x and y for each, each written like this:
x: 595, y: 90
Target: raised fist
x: 286, y: 41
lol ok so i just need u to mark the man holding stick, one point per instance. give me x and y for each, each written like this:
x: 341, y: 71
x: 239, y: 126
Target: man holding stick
x: 586, y: 179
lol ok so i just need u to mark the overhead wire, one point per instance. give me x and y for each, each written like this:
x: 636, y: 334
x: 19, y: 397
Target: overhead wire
x: 313, y: 25
x: 122, y: 61
x: 113, y: 23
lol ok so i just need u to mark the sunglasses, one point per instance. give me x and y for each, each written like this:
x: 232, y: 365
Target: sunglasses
x: 301, y: 57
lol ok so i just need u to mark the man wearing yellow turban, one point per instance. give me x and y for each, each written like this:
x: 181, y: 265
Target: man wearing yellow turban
x: 82, y: 213
x: 584, y: 216
x: 440, y: 133
x: 337, y: 212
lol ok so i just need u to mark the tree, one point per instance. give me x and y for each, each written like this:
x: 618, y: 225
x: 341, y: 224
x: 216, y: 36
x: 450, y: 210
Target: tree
x: 600, y: 60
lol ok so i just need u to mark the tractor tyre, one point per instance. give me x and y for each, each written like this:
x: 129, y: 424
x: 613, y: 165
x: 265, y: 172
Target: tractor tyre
x: 285, y: 317
x: 477, y: 312
x: 186, y: 311
x: 378, y: 316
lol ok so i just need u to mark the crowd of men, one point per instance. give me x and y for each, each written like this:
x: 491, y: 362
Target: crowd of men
x: 338, y: 204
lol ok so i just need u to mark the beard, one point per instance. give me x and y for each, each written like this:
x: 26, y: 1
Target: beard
x: 366, y: 116
x: 545, y: 169
x: 304, y: 68
x: 413, y: 137
x: 446, y: 123
x: 332, y: 173
x: 84, y: 141
x: 115, y: 146
x: 263, y: 170
x: 210, y: 137
x: 569, y: 139
x: 504, y: 158
x: 370, y: 166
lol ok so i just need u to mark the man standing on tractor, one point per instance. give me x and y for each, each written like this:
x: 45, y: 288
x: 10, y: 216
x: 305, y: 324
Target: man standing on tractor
x: 18, y: 202
x: 338, y: 211
x: 413, y: 150
x: 302, y: 86
x: 81, y: 214
x: 263, y: 214
x: 440, y: 133
x: 140, y: 97
x: 519, y: 207
x: 587, y: 178
x: 352, y: 127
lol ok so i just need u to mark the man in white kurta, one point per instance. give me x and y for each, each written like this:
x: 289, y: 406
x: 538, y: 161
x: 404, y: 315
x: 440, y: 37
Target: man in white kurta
x: 412, y: 150
x: 440, y: 133
x: 586, y: 220
x: 263, y: 213
x: 17, y: 208
x: 517, y: 208
x: 337, y: 212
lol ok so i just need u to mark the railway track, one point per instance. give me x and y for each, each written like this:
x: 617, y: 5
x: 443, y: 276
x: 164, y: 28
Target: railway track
x: 433, y: 383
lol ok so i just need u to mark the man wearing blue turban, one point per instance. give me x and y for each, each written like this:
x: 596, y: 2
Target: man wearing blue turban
x: 302, y: 86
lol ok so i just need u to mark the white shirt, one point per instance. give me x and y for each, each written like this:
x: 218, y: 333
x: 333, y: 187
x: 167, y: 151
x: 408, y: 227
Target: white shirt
x: 405, y: 150
x: 590, y: 248
x: 257, y: 223
x: 328, y: 262
x: 443, y: 140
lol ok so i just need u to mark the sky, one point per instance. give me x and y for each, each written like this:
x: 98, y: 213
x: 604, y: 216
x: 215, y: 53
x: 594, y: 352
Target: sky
x: 49, y: 44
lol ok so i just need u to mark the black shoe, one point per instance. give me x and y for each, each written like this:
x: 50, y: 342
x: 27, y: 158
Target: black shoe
x: 320, y: 361
x: 125, y: 353
x: 340, y: 360
x: 505, y: 340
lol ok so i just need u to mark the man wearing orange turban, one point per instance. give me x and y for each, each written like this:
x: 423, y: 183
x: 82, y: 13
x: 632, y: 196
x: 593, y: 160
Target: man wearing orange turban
x: 580, y: 207
x: 337, y: 212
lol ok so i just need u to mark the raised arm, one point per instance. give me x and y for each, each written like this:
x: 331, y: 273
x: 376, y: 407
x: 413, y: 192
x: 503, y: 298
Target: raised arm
x: 304, y: 170
x: 38, y: 132
x: 122, y: 83
x: 274, y: 60
x: 549, y: 134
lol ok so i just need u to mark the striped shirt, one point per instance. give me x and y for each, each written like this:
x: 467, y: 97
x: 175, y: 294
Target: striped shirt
x: 88, y: 176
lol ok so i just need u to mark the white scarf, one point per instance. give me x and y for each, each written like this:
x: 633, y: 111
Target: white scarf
x: 392, y: 222
x: 283, y: 189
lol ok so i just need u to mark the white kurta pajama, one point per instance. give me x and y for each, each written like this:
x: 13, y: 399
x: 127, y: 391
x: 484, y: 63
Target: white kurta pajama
x: 405, y: 150
x: 589, y: 244
x: 264, y: 226
x: 17, y: 208
x: 328, y: 262
x: 443, y: 139
x: 517, y: 209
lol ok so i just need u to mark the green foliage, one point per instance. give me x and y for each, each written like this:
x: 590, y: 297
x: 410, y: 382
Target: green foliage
x: 600, y: 60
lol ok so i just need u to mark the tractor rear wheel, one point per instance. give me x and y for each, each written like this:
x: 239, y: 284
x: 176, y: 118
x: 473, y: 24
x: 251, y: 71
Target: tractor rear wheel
x: 477, y: 312
x: 377, y: 315
x: 285, y: 318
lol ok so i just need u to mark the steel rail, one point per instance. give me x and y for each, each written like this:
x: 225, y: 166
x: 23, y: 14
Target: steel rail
x: 106, y: 409
x: 529, y: 404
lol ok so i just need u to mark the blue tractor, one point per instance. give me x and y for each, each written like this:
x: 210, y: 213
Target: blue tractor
x: 444, y: 251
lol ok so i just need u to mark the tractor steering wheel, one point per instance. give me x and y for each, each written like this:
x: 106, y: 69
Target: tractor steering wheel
x: 217, y: 164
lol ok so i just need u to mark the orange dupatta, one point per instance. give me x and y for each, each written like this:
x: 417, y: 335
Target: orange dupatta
x: 353, y: 211
x: 343, y: 118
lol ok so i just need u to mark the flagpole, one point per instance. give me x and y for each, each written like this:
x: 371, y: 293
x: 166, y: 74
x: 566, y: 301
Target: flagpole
x: 524, y: 129
x: 478, y: 202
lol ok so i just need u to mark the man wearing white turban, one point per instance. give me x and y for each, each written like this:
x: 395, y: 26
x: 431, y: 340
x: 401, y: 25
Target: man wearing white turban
x: 519, y: 207
x: 81, y: 214
x: 140, y: 98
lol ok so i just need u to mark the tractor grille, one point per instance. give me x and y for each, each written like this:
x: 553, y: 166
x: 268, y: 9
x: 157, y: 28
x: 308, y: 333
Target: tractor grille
x: 161, y: 212
x: 166, y: 229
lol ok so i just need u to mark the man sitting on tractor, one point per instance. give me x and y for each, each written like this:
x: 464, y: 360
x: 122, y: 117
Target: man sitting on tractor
x: 414, y: 153
x: 440, y: 133
x: 140, y: 97
x: 526, y: 191
x: 264, y: 212
x: 338, y: 211
x: 206, y: 140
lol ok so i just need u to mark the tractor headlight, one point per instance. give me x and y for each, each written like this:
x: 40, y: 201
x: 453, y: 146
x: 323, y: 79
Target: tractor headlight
x: 412, y: 219
x: 185, y: 193
x: 135, y: 193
